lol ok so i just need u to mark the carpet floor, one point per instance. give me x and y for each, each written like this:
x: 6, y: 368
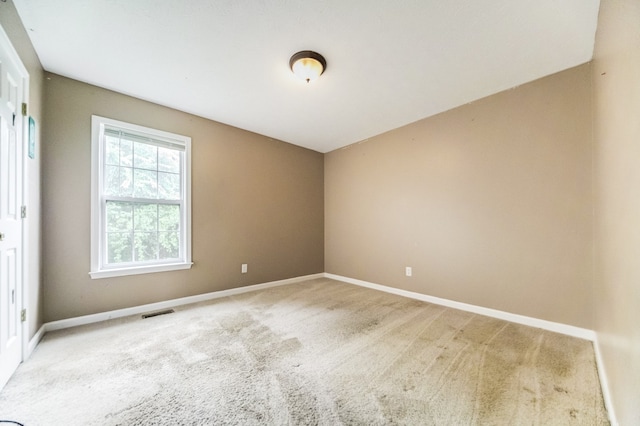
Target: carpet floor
x: 318, y: 352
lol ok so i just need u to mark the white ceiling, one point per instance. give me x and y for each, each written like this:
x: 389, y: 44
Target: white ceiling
x: 389, y: 63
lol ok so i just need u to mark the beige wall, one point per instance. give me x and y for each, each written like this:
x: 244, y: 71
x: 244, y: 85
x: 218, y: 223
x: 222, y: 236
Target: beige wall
x: 10, y: 22
x: 255, y: 200
x: 616, y: 89
x: 489, y: 203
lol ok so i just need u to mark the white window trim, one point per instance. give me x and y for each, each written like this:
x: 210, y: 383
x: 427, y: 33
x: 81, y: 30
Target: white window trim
x: 98, y: 270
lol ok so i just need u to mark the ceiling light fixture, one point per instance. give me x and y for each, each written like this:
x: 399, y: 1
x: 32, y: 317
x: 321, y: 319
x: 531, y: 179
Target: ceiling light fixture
x: 307, y: 65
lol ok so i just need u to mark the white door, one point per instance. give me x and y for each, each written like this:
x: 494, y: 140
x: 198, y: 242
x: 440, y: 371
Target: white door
x: 11, y: 236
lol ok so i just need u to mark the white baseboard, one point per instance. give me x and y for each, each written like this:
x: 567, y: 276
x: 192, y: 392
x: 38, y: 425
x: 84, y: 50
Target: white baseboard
x: 34, y: 341
x: 556, y: 327
x: 135, y: 310
x: 604, y: 383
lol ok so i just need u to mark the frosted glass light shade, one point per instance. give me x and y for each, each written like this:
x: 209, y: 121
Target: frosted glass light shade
x: 307, y: 65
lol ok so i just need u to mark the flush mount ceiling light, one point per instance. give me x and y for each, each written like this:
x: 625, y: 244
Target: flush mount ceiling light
x: 307, y: 65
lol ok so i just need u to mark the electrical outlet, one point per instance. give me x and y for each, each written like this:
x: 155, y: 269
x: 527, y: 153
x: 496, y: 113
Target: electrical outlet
x: 244, y: 268
x: 408, y: 271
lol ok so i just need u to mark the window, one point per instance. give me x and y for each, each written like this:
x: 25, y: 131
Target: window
x: 140, y: 200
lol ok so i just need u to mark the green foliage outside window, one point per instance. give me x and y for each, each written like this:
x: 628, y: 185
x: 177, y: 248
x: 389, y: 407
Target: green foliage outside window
x: 141, y: 230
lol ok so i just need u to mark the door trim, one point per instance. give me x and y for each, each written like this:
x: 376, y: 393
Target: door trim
x: 7, y: 46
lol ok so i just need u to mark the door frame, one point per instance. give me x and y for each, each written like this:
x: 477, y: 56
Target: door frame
x: 5, y: 43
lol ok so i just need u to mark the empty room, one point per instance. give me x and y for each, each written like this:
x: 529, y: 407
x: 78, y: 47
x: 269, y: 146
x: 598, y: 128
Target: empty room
x: 319, y: 213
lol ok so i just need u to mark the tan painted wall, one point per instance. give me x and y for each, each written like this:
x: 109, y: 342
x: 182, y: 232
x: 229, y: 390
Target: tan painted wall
x: 10, y: 22
x: 616, y: 89
x: 255, y: 200
x: 489, y: 203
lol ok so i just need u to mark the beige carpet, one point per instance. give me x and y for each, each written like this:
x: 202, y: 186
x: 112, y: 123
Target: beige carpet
x: 318, y: 352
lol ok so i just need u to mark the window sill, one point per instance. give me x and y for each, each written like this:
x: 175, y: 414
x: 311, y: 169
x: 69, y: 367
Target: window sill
x: 136, y: 270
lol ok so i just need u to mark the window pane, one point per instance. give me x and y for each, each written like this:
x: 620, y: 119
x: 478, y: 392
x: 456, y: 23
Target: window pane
x: 112, y: 180
x: 119, y: 247
x: 119, y: 217
x: 126, y: 182
x: 145, y: 184
x: 146, y: 217
x: 168, y: 218
x: 146, y: 246
x: 168, y: 160
x: 112, y: 150
x: 126, y: 153
x: 168, y: 186
x: 145, y: 156
x: 169, y: 245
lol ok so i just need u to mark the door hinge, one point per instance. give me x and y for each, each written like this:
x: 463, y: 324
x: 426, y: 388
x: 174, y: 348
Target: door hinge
x: 23, y: 212
x: 24, y: 109
x: 23, y: 315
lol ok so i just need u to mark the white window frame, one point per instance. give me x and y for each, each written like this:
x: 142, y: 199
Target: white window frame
x: 99, y: 268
